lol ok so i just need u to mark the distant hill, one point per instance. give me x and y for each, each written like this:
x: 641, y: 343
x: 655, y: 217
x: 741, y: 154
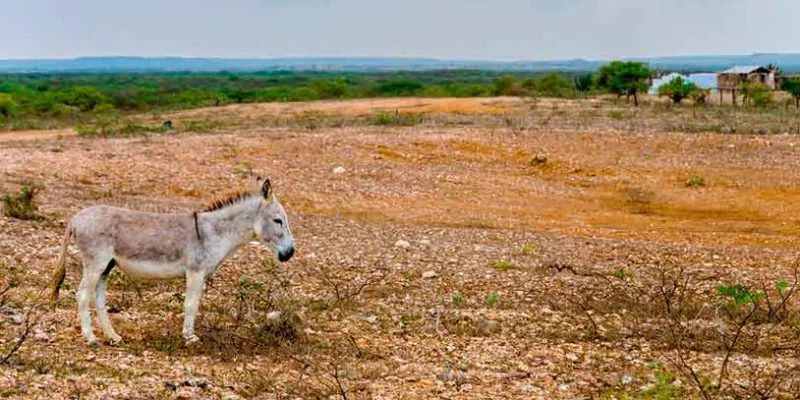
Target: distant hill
x: 788, y: 62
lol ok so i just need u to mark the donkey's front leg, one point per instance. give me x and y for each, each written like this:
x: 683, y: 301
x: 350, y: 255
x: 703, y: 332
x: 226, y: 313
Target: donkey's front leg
x: 195, y: 281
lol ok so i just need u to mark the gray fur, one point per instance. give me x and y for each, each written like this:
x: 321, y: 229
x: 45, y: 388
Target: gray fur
x: 166, y: 246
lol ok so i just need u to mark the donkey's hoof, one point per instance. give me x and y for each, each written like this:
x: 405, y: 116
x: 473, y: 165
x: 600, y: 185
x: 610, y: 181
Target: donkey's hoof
x: 93, y: 344
x: 115, y: 340
x: 191, y: 339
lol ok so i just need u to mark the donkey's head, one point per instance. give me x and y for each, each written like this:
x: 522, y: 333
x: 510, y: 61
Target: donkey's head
x: 272, y: 225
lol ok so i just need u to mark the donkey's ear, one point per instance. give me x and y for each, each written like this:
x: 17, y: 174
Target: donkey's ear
x: 266, y: 189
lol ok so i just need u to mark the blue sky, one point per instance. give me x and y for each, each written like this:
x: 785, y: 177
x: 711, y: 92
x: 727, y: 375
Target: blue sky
x: 468, y: 29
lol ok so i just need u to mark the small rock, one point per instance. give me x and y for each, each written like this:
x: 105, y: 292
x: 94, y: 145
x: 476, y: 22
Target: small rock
x: 402, y: 244
x: 274, y: 315
x: 425, y: 242
x: 339, y: 170
x: 572, y: 357
x: 626, y: 380
x: 528, y: 388
x: 429, y: 274
x: 466, y: 386
x: 563, y: 387
x: 371, y: 319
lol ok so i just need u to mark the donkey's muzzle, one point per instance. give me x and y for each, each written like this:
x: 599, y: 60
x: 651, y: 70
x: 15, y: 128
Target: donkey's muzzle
x: 286, y: 255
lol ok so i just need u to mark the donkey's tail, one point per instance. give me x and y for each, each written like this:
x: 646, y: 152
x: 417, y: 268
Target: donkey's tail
x: 61, y: 271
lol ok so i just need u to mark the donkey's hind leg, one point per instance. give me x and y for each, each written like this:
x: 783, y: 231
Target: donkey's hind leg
x: 100, y: 305
x: 92, y: 270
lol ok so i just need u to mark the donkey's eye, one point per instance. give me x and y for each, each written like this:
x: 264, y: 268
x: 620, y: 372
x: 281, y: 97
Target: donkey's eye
x: 278, y: 221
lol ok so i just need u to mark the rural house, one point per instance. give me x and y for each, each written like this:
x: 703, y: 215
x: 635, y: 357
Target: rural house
x: 732, y: 79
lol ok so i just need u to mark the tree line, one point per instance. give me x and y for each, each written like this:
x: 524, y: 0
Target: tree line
x: 63, y: 96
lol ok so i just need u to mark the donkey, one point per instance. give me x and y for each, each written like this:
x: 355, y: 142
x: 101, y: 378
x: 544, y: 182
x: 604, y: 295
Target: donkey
x: 165, y: 246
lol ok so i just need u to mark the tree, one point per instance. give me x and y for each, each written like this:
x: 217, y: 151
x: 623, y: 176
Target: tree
x: 8, y: 107
x: 583, y: 83
x: 400, y: 87
x: 86, y: 98
x: 550, y: 85
x: 792, y: 86
x: 677, y: 89
x: 506, y: 86
x: 626, y: 78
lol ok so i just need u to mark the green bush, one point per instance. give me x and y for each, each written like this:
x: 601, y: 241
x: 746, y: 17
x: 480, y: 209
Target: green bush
x: 85, y: 98
x: 506, y: 86
x: 8, y: 107
x: 677, y: 89
x: 757, y: 94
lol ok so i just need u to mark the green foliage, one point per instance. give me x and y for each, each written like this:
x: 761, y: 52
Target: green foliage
x: 85, y: 98
x: 624, y: 78
x: 504, y: 265
x: 80, y: 98
x: 792, y: 86
x: 622, y: 273
x: 492, y: 300
x: 584, y: 83
x: 529, y: 249
x: 757, y: 94
x: 398, y: 119
x: 400, y: 87
x: 677, y: 89
x: 506, y: 86
x: 699, y: 95
x: 8, y: 107
x: 550, y: 85
x: 781, y: 287
x: 22, y: 205
x: 458, y: 301
x: 696, y: 181
x: 739, y: 295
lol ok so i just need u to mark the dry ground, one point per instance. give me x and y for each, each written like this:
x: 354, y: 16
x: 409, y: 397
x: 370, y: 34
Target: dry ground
x: 560, y: 203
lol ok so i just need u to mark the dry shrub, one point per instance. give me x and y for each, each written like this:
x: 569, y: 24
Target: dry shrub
x: 22, y: 205
x: 687, y: 312
x: 257, y: 315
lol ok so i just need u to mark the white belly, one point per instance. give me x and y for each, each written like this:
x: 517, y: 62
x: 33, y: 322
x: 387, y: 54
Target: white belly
x: 141, y: 269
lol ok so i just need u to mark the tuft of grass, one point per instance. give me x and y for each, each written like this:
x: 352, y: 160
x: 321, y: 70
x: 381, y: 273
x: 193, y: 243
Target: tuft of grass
x: 616, y: 114
x: 504, y: 265
x: 537, y: 160
x: 457, y: 300
x: 695, y: 181
x: 529, y: 249
x: 22, y: 205
x: 398, y: 119
x: 622, y: 273
x: 492, y: 300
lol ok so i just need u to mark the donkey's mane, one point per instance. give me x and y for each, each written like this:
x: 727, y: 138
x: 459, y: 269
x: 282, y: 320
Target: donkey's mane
x: 230, y: 200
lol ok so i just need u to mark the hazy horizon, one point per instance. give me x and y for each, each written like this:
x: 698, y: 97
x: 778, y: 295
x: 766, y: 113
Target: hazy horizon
x: 443, y: 29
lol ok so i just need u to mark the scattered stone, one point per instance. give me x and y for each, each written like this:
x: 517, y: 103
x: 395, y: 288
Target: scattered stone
x: 371, y: 319
x: 572, y: 357
x: 339, y: 170
x: 429, y: 274
x: 274, y: 315
x: 563, y: 387
x: 402, y: 244
x: 626, y: 380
